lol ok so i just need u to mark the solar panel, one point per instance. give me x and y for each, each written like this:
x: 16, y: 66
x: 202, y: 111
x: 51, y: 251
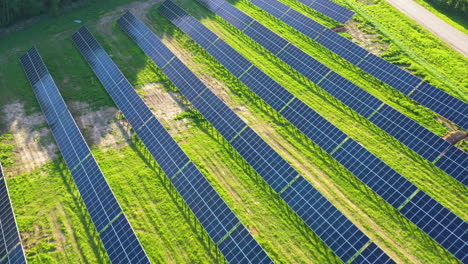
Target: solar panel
x: 314, y: 126
x: 235, y: 17
x: 100, y: 202
x: 15, y: 257
x: 340, y: 234
x: 372, y: 255
x: 333, y: 10
x: 455, y: 163
x: 303, y: 24
x: 442, y: 103
x: 122, y: 243
x: 240, y: 247
x: 410, y: 133
x: 380, y: 177
x: 277, y: 9
x: 184, y: 79
x: 206, y: 204
x: 342, y: 46
x: 442, y: 225
x: 226, y: 55
x: 265, y: 160
x: 350, y: 94
x: 265, y: 37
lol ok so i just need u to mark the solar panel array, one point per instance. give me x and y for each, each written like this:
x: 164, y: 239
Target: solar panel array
x: 205, y: 203
x: 330, y: 9
x: 11, y: 249
x: 118, y: 238
x: 403, y: 128
x: 422, y: 92
x: 382, y: 179
x: 266, y: 162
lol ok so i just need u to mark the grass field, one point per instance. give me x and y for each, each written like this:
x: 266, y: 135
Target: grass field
x: 53, y: 221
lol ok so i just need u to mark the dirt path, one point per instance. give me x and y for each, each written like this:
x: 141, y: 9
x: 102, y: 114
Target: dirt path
x: 452, y: 36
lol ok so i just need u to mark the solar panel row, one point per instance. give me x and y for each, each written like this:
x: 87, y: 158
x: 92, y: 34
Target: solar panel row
x: 372, y: 255
x: 386, y: 182
x: 100, y: 202
x: 333, y: 10
x: 269, y: 164
x: 206, y: 204
x: 11, y: 249
x: 403, y: 128
x: 433, y: 98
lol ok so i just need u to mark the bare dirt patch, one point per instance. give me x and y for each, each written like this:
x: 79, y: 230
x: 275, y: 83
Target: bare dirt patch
x: 368, y: 41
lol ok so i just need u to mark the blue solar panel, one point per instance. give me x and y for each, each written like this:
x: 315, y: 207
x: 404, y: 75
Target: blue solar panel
x: 314, y: 126
x: 213, y: 5
x: 184, y: 79
x: 439, y: 223
x: 227, y: 56
x: 350, y: 94
x: 303, y: 63
x: 9, y: 236
x: 342, y: 46
x: 265, y: 37
x: 382, y: 179
x: 162, y: 147
x: 340, y: 234
x: 373, y: 255
x: 219, y: 115
x: 276, y: 9
x: 15, y: 257
x: 410, y: 133
x: 333, y: 10
x: 455, y: 163
x: 240, y: 247
x: 442, y: 103
x: 122, y: 244
x: 229, y: 13
x: 390, y: 74
x: 265, y: 160
x: 212, y: 212
x: 303, y: 24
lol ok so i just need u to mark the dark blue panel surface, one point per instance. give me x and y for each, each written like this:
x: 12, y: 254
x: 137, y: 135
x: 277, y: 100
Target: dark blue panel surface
x: 342, y: 46
x: 275, y: 8
x: 212, y: 212
x: 265, y: 37
x: 229, y: 57
x: 184, y: 80
x: 390, y: 74
x: 9, y: 236
x: 122, y: 244
x: 455, y: 163
x: 382, y: 179
x: 229, y: 13
x: 265, y: 160
x: 219, y: 115
x: 314, y: 126
x: 303, y: 24
x: 442, y: 103
x: 350, y: 94
x: 373, y: 255
x: 240, y: 247
x: 438, y: 222
x: 410, y: 133
x: 333, y: 10
x: 340, y: 234
x: 303, y: 63
x: 15, y: 257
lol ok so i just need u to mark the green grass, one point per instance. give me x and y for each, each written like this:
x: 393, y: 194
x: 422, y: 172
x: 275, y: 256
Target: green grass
x: 453, y: 18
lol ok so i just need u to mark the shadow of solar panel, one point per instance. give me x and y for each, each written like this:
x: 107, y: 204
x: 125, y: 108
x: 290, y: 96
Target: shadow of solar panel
x: 390, y: 74
x: 410, y: 133
x: 233, y: 15
x: 206, y: 204
x: 145, y: 39
x: 342, y: 46
x: 314, y: 126
x: 276, y: 9
x: 455, y: 163
x: 162, y: 147
x: 265, y: 37
x: 303, y: 24
x: 265, y: 160
x: 96, y: 193
x: 266, y: 88
x: 187, y: 23
x: 303, y: 63
x: 350, y: 94
x: 187, y: 83
x: 9, y: 237
x: 442, y: 103
x: 380, y: 177
x: 241, y: 247
x: 122, y: 244
x: 15, y: 257
x: 340, y: 234
x: 373, y: 255
x: 219, y: 115
x: 229, y: 57
x: 438, y: 222
x: 333, y: 10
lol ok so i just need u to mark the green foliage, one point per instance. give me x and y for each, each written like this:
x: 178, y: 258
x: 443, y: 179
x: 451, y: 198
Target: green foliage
x: 461, y: 6
x: 7, y: 146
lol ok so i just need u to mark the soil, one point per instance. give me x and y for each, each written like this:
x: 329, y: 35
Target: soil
x: 368, y: 41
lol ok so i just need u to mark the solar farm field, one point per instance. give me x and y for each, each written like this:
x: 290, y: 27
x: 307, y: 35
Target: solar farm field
x: 209, y: 168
